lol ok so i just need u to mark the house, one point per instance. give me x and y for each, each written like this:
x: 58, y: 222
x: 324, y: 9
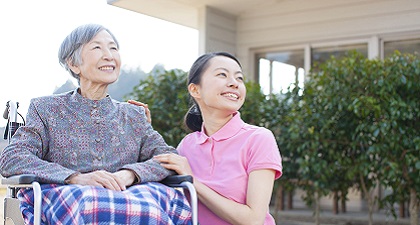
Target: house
x: 278, y: 41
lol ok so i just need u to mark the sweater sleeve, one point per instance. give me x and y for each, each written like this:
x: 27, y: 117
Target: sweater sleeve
x: 28, y: 147
x: 152, y: 143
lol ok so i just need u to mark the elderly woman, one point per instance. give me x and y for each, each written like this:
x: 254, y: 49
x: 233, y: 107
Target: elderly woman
x: 95, y: 153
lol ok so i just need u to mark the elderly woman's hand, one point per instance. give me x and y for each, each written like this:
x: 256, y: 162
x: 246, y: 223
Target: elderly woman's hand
x: 117, y: 181
x: 146, y: 107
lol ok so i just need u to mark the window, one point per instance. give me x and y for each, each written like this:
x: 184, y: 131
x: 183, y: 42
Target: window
x: 280, y: 70
x: 411, y: 46
x: 320, y: 55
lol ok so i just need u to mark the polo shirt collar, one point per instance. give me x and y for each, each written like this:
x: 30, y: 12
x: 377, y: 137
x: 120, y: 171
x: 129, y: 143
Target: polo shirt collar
x: 229, y: 130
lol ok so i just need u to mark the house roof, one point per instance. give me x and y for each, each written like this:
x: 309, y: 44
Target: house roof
x: 185, y: 12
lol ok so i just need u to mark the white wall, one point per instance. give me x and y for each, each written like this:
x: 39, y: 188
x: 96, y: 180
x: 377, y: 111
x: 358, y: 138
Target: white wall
x: 296, y: 23
x: 217, y: 31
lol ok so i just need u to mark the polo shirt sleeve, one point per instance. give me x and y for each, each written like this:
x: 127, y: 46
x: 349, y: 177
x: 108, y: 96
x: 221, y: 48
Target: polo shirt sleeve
x: 264, y: 153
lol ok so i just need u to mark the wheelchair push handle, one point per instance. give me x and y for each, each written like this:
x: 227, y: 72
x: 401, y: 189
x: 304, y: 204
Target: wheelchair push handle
x: 6, y: 112
x: 11, y: 112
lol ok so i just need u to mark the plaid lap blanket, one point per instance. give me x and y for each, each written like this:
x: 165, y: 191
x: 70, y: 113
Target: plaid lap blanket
x: 148, y: 203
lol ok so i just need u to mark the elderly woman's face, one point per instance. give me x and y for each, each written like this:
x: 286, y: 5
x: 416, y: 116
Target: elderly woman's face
x: 101, y: 60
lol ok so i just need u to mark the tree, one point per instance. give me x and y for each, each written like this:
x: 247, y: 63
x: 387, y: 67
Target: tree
x: 166, y: 94
x: 397, y: 122
x: 354, y: 112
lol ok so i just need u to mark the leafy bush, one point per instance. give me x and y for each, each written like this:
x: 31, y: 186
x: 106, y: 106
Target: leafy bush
x: 166, y: 94
x: 357, y: 123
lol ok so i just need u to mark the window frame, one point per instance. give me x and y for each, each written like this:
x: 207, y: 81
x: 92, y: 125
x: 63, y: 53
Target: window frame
x: 395, y: 37
x: 307, y: 51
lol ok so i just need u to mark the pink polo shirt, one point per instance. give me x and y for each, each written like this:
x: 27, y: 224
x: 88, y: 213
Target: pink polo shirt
x: 224, y: 161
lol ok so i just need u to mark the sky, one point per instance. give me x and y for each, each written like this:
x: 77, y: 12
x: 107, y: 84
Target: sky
x: 32, y: 31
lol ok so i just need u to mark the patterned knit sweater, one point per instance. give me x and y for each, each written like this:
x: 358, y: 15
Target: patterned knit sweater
x: 68, y: 133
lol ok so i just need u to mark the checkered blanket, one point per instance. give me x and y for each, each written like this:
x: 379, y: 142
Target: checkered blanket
x: 149, y: 203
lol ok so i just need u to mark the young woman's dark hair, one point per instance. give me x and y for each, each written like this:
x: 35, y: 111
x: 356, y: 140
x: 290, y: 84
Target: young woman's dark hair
x: 193, y: 119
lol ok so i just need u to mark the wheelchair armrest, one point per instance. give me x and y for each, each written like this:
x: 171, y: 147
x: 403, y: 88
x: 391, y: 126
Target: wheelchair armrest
x: 177, y: 180
x: 173, y: 180
x: 184, y: 181
x: 19, y: 179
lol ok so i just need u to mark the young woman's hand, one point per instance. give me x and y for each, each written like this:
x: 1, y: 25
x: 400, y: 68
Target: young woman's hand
x: 175, y: 162
x: 146, y: 107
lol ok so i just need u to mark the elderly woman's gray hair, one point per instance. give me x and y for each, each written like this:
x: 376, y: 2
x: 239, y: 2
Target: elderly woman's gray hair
x: 71, y: 48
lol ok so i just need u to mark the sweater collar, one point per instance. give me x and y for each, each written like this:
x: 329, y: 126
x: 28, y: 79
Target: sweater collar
x: 78, y: 98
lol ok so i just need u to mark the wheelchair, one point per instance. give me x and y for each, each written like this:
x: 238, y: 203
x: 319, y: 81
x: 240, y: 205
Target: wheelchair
x: 12, y: 213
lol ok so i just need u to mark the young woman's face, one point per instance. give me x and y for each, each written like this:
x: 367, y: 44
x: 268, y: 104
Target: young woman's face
x: 101, y: 60
x: 222, y: 86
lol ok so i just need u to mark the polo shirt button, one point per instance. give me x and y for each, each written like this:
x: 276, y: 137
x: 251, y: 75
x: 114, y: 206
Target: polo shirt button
x: 97, y: 139
x: 94, y: 106
x: 97, y: 121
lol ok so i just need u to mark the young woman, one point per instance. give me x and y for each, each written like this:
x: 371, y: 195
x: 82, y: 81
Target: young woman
x: 234, y: 164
